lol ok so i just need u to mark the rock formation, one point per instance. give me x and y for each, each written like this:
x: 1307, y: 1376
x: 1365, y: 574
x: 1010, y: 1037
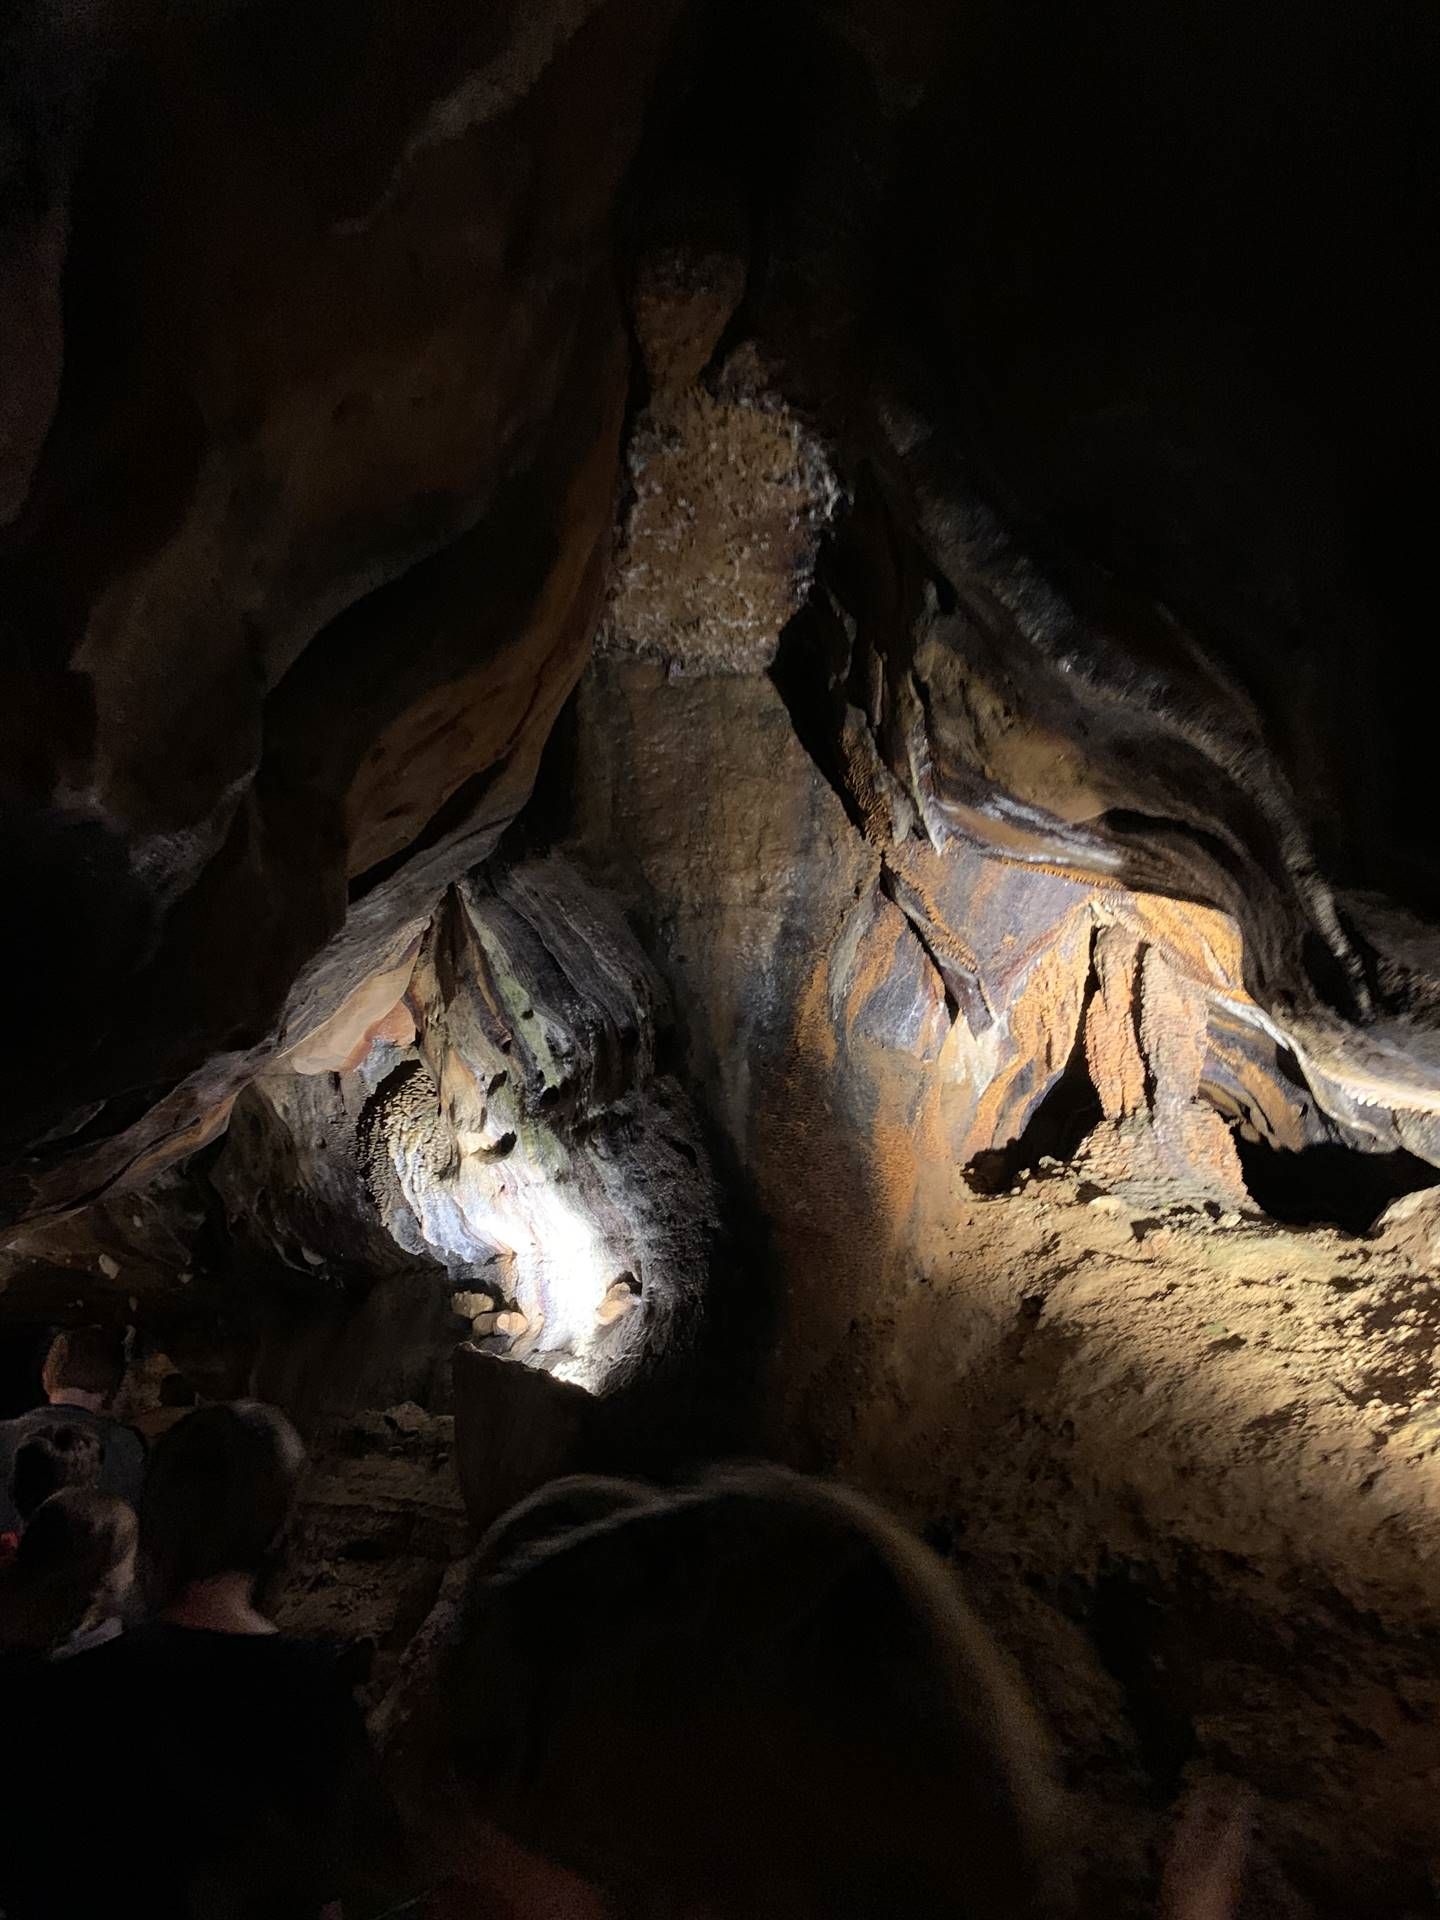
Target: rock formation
x: 506, y: 1127
x: 309, y: 555
x: 717, y: 701
x: 306, y: 543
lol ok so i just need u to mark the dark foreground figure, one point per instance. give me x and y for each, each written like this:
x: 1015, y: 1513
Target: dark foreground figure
x: 756, y: 1699
x: 752, y: 1699
x: 82, y: 1373
x: 201, y: 1764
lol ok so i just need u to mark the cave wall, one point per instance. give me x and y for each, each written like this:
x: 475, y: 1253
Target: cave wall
x: 504, y: 1136
x: 313, y: 422
x: 1184, y: 1456
x: 313, y: 436
x: 991, y: 839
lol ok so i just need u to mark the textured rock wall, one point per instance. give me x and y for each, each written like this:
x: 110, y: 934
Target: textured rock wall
x: 309, y: 475
x: 1185, y: 1457
x: 505, y: 1135
x: 313, y: 441
x: 976, y: 445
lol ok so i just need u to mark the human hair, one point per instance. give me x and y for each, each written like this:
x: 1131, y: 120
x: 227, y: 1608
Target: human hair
x: 52, y: 1459
x: 757, y: 1696
x: 218, y: 1496
x: 70, y: 1570
x: 86, y: 1360
x: 561, y: 1507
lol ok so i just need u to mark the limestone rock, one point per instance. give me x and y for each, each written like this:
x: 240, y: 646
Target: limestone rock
x: 132, y: 1244
x: 1006, y: 653
x: 514, y: 1430
x: 523, y: 1140
x: 729, y: 493
x: 1112, y: 1045
x: 1410, y: 1227
x: 1146, y: 1041
x: 683, y: 299
x: 470, y: 1305
x: 298, y: 588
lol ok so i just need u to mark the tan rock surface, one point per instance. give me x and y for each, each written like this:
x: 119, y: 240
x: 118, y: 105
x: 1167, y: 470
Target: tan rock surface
x: 1184, y: 1457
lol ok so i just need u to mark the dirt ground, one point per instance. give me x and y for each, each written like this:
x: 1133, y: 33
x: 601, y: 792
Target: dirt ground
x: 1190, y: 1469
x: 1186, y: 1460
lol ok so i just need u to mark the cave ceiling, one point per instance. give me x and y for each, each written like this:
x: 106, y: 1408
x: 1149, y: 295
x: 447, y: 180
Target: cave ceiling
x: 1033, y: 401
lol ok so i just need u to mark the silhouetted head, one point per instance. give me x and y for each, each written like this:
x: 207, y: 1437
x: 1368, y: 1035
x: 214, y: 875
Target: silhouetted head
x: 88, y: 1361
x: 757, y: 1697
x: 46, y: 1462
x: 560, y: 1508
x: 218, y: 1496
x: 73, y: 1568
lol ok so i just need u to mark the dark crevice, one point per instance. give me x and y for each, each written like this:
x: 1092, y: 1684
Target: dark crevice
x: 1329, y: 1184
x: 1069, y: 1112
x: 808, y: 672
x: 1137, y: 1025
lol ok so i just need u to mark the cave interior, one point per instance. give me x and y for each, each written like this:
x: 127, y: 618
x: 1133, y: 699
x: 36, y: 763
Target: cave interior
x: 715, y: 745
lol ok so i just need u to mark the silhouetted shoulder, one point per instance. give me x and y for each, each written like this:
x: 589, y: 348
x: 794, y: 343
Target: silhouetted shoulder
x: 123, y: 1450
x: 241, y: 1681
x: 237, y: 1759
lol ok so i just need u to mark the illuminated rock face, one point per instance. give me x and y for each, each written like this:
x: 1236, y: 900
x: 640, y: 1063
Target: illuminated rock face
x: 969, y: 984
x: 507, y: 1128
x: 1184, y: 1456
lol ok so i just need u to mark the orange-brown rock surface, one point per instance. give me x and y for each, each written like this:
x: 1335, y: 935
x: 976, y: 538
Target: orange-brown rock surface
x: 1184, y: 1456
x: 313, y: 458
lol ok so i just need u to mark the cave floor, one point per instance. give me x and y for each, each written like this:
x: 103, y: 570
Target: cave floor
x: 1189, y: 1467
x: 1189, y: 1463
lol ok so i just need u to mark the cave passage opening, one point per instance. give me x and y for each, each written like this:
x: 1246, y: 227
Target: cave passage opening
x: 1328, y: 1183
